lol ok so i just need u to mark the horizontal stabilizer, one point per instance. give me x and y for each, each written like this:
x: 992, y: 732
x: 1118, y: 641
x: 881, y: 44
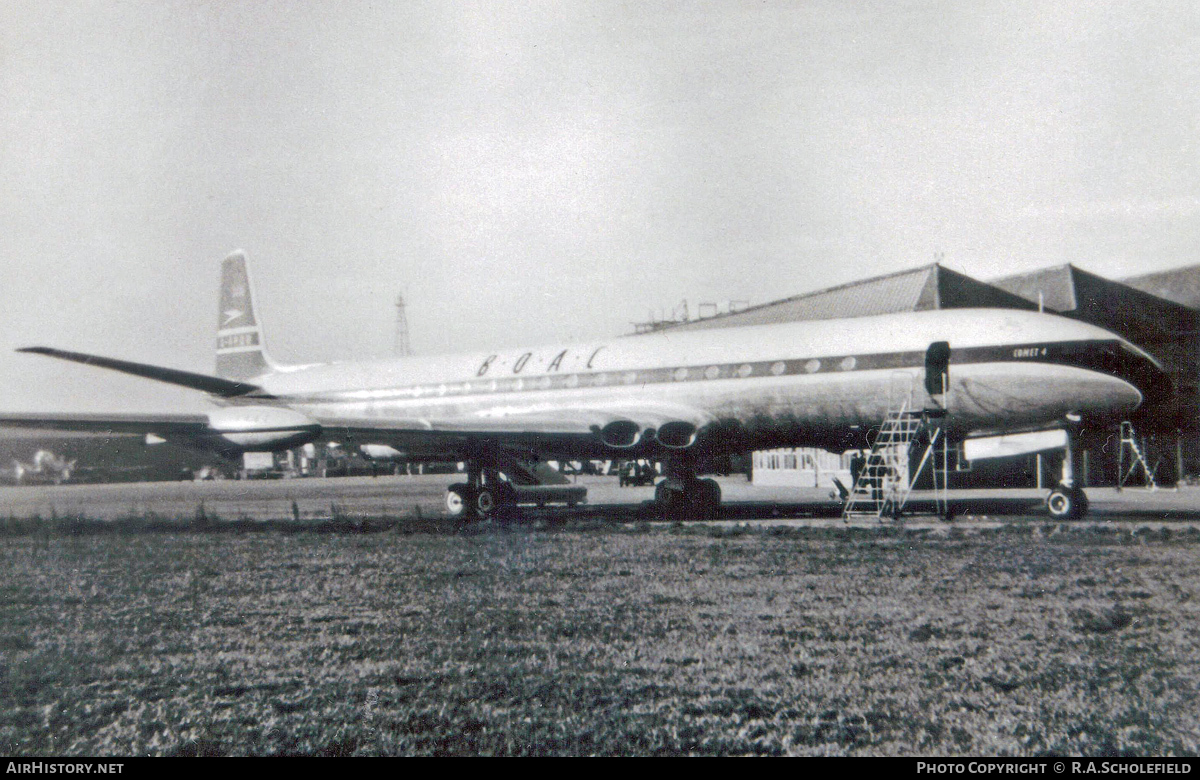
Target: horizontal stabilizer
x: 226, y: 388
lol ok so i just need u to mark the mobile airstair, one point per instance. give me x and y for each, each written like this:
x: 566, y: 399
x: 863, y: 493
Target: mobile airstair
x: 1133, y: 452
x: 885, y: 479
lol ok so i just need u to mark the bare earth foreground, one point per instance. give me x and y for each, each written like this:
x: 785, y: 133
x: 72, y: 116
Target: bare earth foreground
x: 1022, y: 639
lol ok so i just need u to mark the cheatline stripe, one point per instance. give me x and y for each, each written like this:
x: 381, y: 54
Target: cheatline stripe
x: 1102, y: 356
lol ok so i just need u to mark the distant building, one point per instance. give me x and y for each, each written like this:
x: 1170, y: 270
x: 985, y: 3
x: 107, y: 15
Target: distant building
x: 800, y: 467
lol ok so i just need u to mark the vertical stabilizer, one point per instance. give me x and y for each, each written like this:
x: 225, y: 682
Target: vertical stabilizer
x: 241, y: 351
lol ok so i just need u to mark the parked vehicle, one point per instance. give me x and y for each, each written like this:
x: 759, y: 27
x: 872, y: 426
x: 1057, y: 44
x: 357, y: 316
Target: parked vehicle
x: 636, y: 473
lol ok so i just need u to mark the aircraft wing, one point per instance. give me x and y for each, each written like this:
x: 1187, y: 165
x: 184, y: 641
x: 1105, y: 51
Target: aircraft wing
x: 195, y: 424
x: 164, y: 425
x: 543, y: 426
x: 548, y: 429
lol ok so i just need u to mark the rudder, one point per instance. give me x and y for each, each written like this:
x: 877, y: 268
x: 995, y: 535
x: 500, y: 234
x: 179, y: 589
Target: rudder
x: 241, y: 351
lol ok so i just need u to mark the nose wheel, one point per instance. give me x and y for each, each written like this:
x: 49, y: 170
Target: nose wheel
x: 1067, y: 503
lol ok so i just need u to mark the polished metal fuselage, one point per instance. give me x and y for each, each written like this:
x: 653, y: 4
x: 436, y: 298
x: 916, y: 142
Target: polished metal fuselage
x: 796, y: 384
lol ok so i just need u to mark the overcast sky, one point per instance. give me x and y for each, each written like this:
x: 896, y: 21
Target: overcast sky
x: 531, y: 172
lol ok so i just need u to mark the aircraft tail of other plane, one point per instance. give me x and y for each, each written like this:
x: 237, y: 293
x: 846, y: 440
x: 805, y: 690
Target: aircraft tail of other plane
x: 241, y: 348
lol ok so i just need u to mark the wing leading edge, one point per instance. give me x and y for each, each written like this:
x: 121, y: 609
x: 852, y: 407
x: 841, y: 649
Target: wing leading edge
x: 166, y: 425
x: 559, y: 430
x: 250, y: 428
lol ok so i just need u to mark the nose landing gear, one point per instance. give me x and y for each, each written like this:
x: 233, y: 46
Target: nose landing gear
x: 1067, y: 501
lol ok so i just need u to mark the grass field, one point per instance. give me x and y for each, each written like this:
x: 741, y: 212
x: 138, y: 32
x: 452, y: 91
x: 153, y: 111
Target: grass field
x: 596, y: 638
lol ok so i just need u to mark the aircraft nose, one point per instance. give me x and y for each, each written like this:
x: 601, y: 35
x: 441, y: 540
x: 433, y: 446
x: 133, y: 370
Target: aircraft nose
x: 1151, y: 379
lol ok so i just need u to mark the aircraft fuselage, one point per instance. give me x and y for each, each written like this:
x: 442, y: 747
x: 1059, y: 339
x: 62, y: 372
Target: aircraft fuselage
x: 813, y: 383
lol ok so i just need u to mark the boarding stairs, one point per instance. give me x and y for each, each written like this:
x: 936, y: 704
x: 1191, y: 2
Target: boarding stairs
x: 881, y: 484
x: 886, y: 479
x: 1133, y: 451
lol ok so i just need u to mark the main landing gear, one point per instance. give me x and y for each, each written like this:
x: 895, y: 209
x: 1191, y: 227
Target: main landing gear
x: 684, y: 496
x: 484, y: 496
x: 1067, y: 501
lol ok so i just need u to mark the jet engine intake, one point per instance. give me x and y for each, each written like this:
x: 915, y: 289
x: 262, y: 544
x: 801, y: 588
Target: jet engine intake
x: 676, y: 435
x: 262, y: 428
x: 621, y: 434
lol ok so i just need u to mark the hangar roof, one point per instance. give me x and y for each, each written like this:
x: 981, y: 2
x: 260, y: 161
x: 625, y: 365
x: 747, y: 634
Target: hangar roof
x: 1140, y: 316
x: 1181, y: 285
x: 1053, y: 287
x: 918, y: 289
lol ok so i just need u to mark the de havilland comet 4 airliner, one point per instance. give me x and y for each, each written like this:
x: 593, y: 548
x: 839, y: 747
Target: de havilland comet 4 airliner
x: 683, y: 398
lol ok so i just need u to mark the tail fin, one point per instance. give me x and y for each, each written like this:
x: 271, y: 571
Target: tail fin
x: 241, y: 350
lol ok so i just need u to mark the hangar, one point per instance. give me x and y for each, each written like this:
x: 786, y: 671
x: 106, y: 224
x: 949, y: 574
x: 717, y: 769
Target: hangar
x: 919, y: 289
x: 1158, y: 312
x: 1181, y: 285
x: 1162, y: 327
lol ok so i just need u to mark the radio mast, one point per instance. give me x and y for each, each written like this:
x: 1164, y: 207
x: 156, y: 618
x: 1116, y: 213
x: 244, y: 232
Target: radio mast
x: 400, y: 344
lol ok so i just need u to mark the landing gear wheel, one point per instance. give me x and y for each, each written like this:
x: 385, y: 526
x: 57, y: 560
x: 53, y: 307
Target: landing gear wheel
x: 670, y: 502
x: 505, y: 496
x: 700, y: 499
x: 1084, y: 506
x: 485, y: 503
x: 1067, y: 503
x: 705, y: 499
x: 458, y: 501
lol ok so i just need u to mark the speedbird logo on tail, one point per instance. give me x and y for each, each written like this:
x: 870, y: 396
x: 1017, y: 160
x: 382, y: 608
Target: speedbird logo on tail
x: 236, y: 308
